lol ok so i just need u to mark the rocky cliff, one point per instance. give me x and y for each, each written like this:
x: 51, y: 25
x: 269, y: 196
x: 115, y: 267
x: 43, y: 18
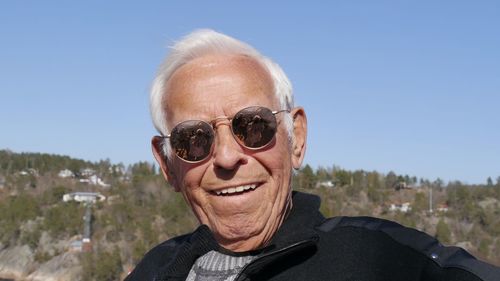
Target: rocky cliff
x: 18, y: 263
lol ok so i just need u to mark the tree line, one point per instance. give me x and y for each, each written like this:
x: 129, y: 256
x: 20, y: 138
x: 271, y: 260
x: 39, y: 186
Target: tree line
x: 141, y: 210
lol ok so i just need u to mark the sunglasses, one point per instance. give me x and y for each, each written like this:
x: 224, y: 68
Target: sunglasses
x: 253, y: 127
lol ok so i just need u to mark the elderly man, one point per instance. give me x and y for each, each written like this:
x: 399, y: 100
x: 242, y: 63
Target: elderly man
x: 230, y: 138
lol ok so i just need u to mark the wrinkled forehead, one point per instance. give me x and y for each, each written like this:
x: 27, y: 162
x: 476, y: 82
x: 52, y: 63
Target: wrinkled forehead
x: 233, y: 76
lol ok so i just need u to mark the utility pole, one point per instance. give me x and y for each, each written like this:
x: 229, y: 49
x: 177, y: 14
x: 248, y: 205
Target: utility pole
x: 430, y: 199
x: 9, y: 167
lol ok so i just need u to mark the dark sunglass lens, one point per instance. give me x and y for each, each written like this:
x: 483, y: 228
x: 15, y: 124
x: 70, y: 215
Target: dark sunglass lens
x: 192, y: 140
x: 254, y: 126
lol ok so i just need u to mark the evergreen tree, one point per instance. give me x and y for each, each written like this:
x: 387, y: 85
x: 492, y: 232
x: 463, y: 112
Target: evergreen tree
x: 489, y: 182
x: 342, y: 177
x: 391, y: 179
x: 443, y: 233
x: 307, y: 177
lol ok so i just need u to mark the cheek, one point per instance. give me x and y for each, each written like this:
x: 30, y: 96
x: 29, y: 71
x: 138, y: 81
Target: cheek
x: 188, y: 177
x: 189, y: 185
x: 278, y: 157
x: 278, y: 165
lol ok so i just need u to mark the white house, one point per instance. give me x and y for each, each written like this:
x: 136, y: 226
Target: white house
x: 443, y: 208
x: 325, y: 184
x: 66, y: 174
x: 95, y: 180
x: 88, y: 197
x: 87, y: 172
x: 29, y: 171
x: 405, y: 207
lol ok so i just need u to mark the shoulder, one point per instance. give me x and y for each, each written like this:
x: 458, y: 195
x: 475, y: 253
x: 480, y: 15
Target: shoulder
x: 157, y: 258
x: 395, y: 237
x: 174, y: 257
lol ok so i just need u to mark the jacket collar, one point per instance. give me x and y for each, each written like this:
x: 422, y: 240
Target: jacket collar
x: 200, y: 242
x: 297, y: 229
x: 300, y: 223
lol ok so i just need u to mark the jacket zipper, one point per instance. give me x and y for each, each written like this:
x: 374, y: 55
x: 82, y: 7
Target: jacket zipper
x: 239, y: 277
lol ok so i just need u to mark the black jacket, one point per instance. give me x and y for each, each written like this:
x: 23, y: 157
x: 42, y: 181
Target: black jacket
x: 310, y: 247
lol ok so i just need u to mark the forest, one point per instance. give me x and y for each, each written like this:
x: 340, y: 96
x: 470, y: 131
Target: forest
x: 141, y: 210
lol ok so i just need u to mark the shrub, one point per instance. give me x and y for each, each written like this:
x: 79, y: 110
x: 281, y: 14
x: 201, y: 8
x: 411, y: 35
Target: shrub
x: 64, y: 219
x: 101, y: 265
x: 443, y: 233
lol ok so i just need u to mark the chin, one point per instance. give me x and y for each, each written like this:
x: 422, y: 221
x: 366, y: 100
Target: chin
x: 240, y: 237
x: 239, y: 231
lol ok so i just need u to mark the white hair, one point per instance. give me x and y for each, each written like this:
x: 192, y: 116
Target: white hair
x: 207, y: 42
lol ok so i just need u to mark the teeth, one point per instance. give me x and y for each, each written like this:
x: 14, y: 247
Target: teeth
x: 232, y: 190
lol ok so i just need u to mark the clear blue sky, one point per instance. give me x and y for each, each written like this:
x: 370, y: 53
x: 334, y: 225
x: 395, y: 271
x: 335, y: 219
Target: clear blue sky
x: 408, y: 86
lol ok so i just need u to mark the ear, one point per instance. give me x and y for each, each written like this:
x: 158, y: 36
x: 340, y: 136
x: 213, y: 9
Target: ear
x: 299, y: 136
x: 157, y: 147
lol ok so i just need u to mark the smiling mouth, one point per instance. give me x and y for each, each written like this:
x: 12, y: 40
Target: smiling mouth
x: 235, y: 190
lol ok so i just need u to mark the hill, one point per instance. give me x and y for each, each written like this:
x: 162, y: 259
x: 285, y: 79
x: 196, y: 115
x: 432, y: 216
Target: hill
x: 42, y: 236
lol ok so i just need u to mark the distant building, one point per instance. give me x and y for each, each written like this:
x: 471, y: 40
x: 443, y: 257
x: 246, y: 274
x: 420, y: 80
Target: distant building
x: 29, y: 171
x: 95, y: 180
x: 84, y: 245
x: 66, y: 174
x: 404, y: 207
x: 87, y: 172
x: 87, y: 197
x: 76, y: 246
x: 325, y: 184
x: 401, y: 185
x: 124, y: 178
x: 443, y: 208
x: 117, y: 169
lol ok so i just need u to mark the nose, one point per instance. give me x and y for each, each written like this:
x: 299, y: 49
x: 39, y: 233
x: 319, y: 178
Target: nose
x: 228, y: 154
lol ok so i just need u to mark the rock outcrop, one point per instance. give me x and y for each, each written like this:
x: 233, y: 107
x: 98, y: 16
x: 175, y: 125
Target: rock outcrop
x: 60, y: 268
x: 16, y: 262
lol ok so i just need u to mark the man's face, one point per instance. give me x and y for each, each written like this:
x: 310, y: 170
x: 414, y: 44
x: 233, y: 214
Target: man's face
x: 214, y: 86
